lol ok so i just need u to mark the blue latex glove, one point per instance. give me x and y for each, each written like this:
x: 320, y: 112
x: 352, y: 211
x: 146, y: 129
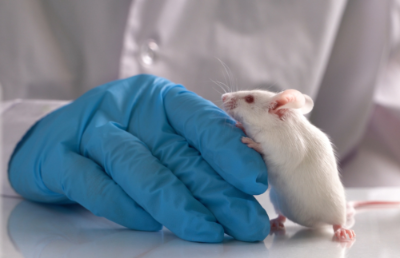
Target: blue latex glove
x: 145, y: 152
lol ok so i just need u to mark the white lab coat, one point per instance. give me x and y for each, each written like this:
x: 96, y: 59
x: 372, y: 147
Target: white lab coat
x: 334, y: 51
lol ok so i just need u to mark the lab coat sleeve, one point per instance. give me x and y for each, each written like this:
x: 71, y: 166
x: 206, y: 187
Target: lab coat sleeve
x: 243, y: 44
x: 17, y: 117
x: 59, y: 49
x: 386, y: 115
x: 345, y: 99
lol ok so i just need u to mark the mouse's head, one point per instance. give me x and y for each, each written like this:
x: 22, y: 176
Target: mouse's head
x: 257, y: 106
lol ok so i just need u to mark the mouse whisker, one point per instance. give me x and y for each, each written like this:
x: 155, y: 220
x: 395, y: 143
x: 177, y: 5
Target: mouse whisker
x: 219, y: 92
x: 227, y: 74
x: 221, y: 85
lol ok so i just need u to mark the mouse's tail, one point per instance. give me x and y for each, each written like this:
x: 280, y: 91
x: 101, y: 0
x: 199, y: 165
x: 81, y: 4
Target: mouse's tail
x: 370, y: 204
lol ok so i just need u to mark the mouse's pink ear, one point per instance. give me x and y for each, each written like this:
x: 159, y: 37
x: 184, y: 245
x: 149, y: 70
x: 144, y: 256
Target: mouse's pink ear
x: 292, y: 99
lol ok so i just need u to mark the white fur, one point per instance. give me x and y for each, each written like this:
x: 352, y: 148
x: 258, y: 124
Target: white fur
x: 302, y: 169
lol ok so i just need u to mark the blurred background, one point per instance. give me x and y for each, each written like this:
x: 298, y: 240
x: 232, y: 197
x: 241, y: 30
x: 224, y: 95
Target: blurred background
x: 344, y: 54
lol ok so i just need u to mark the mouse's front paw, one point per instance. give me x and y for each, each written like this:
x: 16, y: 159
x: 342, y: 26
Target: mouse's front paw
x: 252, y: 144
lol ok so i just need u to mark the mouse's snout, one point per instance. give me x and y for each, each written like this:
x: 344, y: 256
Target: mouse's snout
x: 224, y: 97
x: 229, y: 101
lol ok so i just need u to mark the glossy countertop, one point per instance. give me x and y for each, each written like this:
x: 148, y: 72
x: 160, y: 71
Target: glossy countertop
x: 36, y: 230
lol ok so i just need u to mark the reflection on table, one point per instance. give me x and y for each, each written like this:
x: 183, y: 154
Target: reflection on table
x: 38, y: 230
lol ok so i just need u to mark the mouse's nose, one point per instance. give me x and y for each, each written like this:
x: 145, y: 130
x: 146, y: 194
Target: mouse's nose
x: 224, y: 97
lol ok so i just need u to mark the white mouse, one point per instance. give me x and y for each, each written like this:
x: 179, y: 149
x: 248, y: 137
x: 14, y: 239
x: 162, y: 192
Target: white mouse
x: 303, y: 175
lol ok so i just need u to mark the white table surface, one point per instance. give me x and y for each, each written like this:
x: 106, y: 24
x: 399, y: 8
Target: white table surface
x: 35, y: 230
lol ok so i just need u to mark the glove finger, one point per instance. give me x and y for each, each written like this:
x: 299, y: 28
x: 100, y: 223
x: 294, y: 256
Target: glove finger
x: 213, y: 133
x: 239, y: 213
x: 85, y: 182
x: 130, y: 163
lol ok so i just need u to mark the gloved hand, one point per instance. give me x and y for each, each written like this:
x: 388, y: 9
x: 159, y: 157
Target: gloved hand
x: 145, y: 152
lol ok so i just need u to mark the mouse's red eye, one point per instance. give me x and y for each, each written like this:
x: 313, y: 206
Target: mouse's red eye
x: 249, y: 99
